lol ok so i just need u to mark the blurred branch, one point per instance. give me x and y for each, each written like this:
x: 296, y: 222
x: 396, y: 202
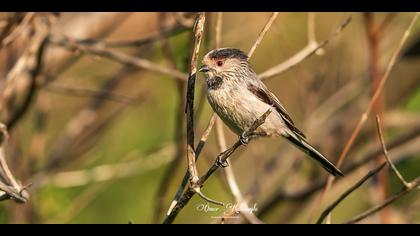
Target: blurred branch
x: 414, y: 185
x: 26, y: 71
x: 308, y: 191
x: 91, y: 25
x: 262, y: 33
x: 385, y: 152
x: 10, y: 23
x: 80, y: 130
x: 179, y: 136
x: 72, y: 90
x: 109, y: 172
x: 100, y: 50
x: 343, y: 196
x: 28, y: 17
x: 220, y: 161
x: 373, y: 34
x: 407, y: 186
x: 300, y: 56
x: 366, y: 113
x: 163, y: 33
x: 10, y: 188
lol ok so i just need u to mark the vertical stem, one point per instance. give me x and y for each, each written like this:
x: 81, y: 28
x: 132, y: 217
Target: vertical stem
x: 373, y: 36
x: 198, y: 31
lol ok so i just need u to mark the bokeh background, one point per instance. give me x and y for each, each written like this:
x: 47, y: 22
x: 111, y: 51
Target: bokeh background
x: 97, y: 138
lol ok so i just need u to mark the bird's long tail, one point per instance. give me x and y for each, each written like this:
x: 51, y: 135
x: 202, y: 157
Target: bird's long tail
x: 314, y: 154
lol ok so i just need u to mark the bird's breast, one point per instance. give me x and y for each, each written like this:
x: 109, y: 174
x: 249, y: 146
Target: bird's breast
x: 236, y: 106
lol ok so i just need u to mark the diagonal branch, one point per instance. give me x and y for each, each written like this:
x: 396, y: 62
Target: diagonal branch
x: 364, y: 116
x: 262, y: 33
x: 10, y: 188
x: 306, y: 52
x: 415, y: 184
x: 222, y: 158
x: 99, y: 50
x: 330, y: 208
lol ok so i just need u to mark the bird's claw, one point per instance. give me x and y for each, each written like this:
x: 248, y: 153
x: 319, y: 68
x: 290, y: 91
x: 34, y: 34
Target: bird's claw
x: 221, y: 163
x: 244, y: 139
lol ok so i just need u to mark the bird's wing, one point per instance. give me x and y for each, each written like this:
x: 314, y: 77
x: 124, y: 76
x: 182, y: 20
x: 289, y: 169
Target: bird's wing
x: 266, y: 96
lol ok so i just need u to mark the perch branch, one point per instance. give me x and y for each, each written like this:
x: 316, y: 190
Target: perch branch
x: 222, y: 158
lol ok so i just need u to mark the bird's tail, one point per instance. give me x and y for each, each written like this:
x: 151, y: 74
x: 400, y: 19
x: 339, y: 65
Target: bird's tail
x: 314, y: 154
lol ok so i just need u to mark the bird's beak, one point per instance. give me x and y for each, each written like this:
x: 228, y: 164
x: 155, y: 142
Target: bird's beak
x: 204, y: 68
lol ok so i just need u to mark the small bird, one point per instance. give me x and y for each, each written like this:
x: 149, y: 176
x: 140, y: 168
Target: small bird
x: 239, y: 98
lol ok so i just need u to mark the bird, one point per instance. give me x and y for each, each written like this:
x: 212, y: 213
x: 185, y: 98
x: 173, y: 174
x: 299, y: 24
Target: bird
x: 239, y: 98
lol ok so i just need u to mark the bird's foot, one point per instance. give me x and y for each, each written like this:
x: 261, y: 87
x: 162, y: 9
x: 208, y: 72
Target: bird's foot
x: 244, y: 139
x: 220, y: 162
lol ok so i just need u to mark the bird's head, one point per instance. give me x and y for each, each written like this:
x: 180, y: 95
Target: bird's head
x: 224, y: 62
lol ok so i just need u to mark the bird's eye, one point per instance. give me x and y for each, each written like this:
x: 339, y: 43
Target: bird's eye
x: 219, y: 63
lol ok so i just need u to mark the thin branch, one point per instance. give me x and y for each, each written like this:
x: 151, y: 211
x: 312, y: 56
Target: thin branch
x: 162, y: 34
x: 385, y: 152
x: 218, y: 30
x: 415, y: 184
x: 222, y: 158
x: 311, y: 27
x: 72, y: 90
x: 359, y: 183
x: 179, y: 136
x: 99, y: 50
x: 364, y: 116
x: 10, y: 188
x: 303, y: 54
x: 19, y: 29
x: 27, y: 70
x: 198, y: 32
x: 262, y: 33
x: 198, y: 150
x: 308, y: 191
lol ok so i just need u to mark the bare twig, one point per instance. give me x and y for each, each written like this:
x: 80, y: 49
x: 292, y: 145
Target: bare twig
x: 26, y: 71
x: 198, y: 150
x: 179, y: 136
x: 343, y: 196
x: 117, y: 56
x: 218, y: 30
x: 162, y: 34
x: 385, y: 152
x: 413, y: 185
x: 222, y: 158
x: 198, y: 32
x: 366, y: 113
x: 10, y: 188
x: 308, y: 191
x: 262, y: 33
x: 374, y: 39
x: 303, y: 54
x: 19, y: 29
x: 72, y: 90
